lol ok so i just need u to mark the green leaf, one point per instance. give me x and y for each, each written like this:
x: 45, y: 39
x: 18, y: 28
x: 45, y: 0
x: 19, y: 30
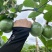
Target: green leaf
x: 42, y: 5
x: 19, y: 7
x: 36, y: 0
x: 48, y: 16
x: 1, y: 33
x: 13, y: 10
x: 42, y: 38
x: 1, y: 42
x: 1, y: 3
x: 1, y: 9
x: 5, y: 2
x: 3, y: 16
x: 30, y: 3
x: 43, y: 1
x: 48, y: 7
x: 33, y: 14
x: 4, y: 38
x: 49, y: 44
x: 12, y: 15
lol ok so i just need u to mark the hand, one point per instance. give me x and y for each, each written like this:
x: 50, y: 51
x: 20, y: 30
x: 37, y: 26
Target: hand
x: 22, y: 23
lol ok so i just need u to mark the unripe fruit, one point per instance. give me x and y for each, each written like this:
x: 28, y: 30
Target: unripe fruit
x: 6, y: 25
x: 47, y: 31
x: 36, y: 29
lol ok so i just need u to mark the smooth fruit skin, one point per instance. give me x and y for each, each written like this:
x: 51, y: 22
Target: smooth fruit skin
x: 6, y: 25
x: 47, y: 31
x: 36, y: 29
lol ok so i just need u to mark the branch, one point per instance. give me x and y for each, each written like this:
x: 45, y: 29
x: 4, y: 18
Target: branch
x: 27, y: 10
x: 35, y: 9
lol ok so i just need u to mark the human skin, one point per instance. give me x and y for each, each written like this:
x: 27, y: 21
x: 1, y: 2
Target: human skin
x: 22, y: 23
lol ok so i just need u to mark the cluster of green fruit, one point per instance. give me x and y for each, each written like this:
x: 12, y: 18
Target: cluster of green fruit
x: 6, y: 25
x: 38, y: 30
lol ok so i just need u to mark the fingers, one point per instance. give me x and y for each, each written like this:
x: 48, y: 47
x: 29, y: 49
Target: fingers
x: 22, y: 23
x: 21, y: 20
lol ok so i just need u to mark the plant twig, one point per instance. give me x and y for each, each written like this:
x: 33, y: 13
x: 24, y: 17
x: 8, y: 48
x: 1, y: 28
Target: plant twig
x: 27, y: 10
x: 31, y: 10
x: 37, y: 46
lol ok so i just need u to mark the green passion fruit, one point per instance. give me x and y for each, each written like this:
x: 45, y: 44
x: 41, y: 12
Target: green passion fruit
x: 36, y: 29
x: 47, y: 31
x: 6, y: 25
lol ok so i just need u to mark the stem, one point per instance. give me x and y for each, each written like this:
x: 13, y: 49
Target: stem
x: 27, y: 10
x: 37, y: 46
x: 31, y: 10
